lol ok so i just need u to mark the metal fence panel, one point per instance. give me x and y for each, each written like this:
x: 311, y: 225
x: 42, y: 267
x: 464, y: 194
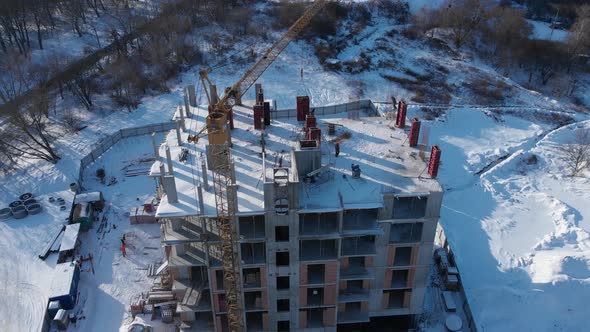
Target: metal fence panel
x: 109, y: 141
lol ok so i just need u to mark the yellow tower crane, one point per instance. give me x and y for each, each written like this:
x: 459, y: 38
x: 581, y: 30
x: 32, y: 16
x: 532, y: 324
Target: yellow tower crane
x: 220, y: 160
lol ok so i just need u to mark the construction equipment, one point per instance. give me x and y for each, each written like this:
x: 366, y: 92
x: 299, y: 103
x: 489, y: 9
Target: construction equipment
x: 220, y: 160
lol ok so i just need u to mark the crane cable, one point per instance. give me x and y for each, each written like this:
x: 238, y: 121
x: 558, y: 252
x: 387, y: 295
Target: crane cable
x: 192, y: 128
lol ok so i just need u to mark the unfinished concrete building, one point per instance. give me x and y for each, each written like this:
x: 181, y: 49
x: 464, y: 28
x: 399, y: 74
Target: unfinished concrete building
x: 325, y: 241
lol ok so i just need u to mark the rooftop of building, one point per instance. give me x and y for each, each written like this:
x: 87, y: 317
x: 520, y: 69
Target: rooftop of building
x: 388, y: 165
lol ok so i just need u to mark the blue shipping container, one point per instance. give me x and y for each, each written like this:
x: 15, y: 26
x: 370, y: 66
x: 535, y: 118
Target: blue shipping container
x: 64, y: 287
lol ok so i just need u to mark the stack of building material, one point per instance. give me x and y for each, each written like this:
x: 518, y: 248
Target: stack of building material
x: 449, y: 272
x: 145, y: 214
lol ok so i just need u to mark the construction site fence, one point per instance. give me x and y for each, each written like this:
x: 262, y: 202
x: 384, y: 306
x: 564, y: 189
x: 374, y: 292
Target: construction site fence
x: 440, y: 240
x: 365, y: 105
x: 107, y: 142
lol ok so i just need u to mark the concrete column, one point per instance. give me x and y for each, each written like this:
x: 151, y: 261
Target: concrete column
x: 204, y: 172
x: 181, y: 118
x: 232, y: 170
x: 178, y: 136
x: 170, y: 188
x: 187, y: 108
x: 169, y: 160
x: 192, y: 97
x: 156, y: 147
x: 200, y: 197
x: 213, y: 91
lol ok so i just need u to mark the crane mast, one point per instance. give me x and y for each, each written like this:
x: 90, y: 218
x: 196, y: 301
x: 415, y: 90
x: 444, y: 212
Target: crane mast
x: 223, y: 178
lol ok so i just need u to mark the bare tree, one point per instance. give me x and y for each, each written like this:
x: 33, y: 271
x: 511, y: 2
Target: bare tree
x: 577, y: 153
x: 505, y: 31
x: 15, y: 78
x: 82, y: 87
x: 27, y: 134
x: 578, y: 39
x: 462, y: 17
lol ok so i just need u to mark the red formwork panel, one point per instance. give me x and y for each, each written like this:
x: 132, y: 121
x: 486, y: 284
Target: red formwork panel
x: 302, y: 107
x: 414, y: 132
x: 258, y: 116
x: 314, y: 134
x: 400, y: 120
x: 266, y: 114
x: 434, y: 161
x: 260, y: 97
x: 310, y: 121
x: 231, y: 119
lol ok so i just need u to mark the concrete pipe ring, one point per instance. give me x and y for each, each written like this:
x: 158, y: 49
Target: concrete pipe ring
x: 34, y: 208
x: 30, y: 201
x: 5, y: 213
x: 15, y: 204
x: 19, y: 212
x: 25, y: 196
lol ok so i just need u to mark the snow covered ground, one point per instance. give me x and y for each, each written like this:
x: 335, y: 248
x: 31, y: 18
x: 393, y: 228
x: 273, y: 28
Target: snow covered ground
x: 519, y: 231
x: 542, y: 30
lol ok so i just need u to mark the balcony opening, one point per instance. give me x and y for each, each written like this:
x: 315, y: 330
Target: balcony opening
x: 317, y: 249
x: 360, y: 219
x: 403, y: 256
x: 253, y: 253
x: 283, y: 305
x: 283, y: 326
x: 252, y: 227
x: 252, y: 278
x: 198, y: 276
x: 222, y: 303
x: 315, y: 296
x: 406, y: 233
x: 282, y: 233
x: 354, y: 286
x: 315, y: 273
x: 315, y: 318
x: 399, y: 278
x: 318, y: 223
x: 254, y: 321
x: 398, y: 299
x: 409, y: 207
x: 253, y: 300
x: 352, y: 307
x: 356, y: 267
x: 356, y: 263
x: 283, y: 283
x: 215, y: 255
x: 358, y: 245
x: 219, y: 279
x: 283, y: 258
x: 224, y: 323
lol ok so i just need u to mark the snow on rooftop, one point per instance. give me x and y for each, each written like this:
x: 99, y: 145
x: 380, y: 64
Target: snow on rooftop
x: 387, y: 164
x: 63, y: 278
x: 70, y: 237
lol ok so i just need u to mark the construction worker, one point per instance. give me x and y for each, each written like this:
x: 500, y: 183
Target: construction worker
x: 336, y: 149
x: 123, y: 251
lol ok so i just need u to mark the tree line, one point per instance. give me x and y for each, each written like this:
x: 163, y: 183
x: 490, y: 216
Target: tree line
x: 131, y: 66
x: 501, y: 34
